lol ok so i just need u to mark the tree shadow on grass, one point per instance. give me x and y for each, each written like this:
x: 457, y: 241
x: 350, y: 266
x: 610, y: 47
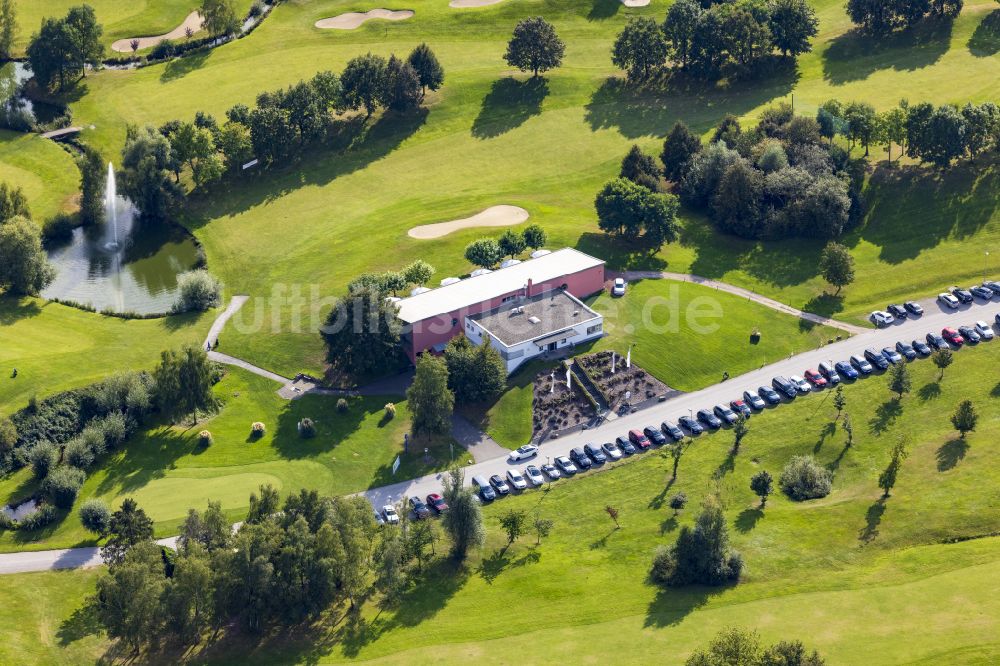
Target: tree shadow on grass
x: 748, y: 519
x: 180, y: 67
x: 14, y: 309
x: 508, y: 105
x: 995, y: 391
x: 873, y: 518
x: 332, y: 426
x: 951, y: 453
x: 856, y: 55
x: 619, y: 253
x: 885, y: 415
x: 500, y: 560
x: 145, y: 458
x: 825, y: 304
x: 601, y: 10
x: 726, y: 466
x: 81, y: 623
x: 672, y: 604
x: 835, y: 463
x: 985, y: 41
x: 929, y: 391
x: 668, y: 525
x: 828, y: 430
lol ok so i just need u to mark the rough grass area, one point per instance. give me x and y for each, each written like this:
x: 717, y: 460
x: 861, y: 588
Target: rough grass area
x: 42, y: 169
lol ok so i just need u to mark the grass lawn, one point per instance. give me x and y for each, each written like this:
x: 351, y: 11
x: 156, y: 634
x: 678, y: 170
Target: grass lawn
x: 42, y: 169
x: 166, y: 471
x: 862, y: 579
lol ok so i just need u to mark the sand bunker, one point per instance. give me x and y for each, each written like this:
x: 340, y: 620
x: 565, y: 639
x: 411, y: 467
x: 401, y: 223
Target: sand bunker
x: 193, y: 21
x: 352, y: 20
x: 494, y: 216
x: 462, y: 4
x: 635, y: 3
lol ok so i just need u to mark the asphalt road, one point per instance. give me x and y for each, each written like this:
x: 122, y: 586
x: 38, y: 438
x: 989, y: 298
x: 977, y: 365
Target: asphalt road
x: 934, y: 319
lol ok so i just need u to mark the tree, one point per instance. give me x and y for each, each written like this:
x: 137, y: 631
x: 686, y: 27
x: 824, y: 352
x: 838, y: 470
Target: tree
x: 95, y: 516
x: 429, y: 70
x: 891, y: 128
x: 195, y: 146
x: 641, y: 169
x: 943, y: 138
x: 839, y: 399
x: 829, y: 117
x: 737, y: 202
x: 210, y: 531
x: 887, y: 479
x: 701, y: 555
x: 679, y: 147
x: 761, y: 484
x: 145, y: 173
x: 837, y: 265
x: 982, y: 126
x: 476, y: 373
x: 8, y: 28
x: 65, y: 46
x: 184, y: 382
x: 741, y: 428
x: 42, y: 457
x: 793, y: 23
x: 511, y: 243
x: 513, y: 524
x: 129, y: 526
x: 678, y: 502
x: 484, y: 252
x: 543, y: 527
x: 8, y: 435
x: 364, y: 83
x: 746, y: 33
x: 272, y: 134
x: 676, y: 452
x: 534, y: 236
x: 613, y: 514
x: 13, y: 203
x: 464, y: 518
x: 803, y: 478
x: 235, y: 145
x: 188, y: 598
x: 24, y: 266
x: 390, y: 560
x: 861, y: 123
x: 738, y: 647
x: 640, y: 48
x: 965, y: 418
x: 418, y: 272
x: 848, y: 428
x: 431, y: 402
x: 942, y: 359
x: 899, y: 379
x: 534, y: 46
x: 680, y: 29
x: 93, y: 174
x: 362, y: 333
x: 421, y: 535
x: 630, y: 210
x: 402, y: 85
x: 263, y: 506
x: 62, y: 485
x: 129, y: 596
x: 220, y: 17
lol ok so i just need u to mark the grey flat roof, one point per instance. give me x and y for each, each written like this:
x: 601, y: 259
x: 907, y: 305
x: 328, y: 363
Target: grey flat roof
x: 556, y: 311
x: 474, y: 290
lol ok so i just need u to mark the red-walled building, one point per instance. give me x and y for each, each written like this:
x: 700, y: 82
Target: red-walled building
x: 523, y: 309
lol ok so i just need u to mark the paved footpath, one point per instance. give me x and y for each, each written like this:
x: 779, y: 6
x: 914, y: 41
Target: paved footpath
x: 934, y: 319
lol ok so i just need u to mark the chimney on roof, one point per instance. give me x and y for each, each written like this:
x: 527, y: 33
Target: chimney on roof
x: 527, y: 289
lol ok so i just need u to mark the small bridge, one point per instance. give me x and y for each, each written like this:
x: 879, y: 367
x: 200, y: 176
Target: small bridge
x: 55, y: 135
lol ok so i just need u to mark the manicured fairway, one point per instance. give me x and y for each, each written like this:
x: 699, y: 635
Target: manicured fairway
x: 44, y: 171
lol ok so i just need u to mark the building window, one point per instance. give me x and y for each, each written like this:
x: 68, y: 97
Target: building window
x: 508, y: 299
x: 596, y: 328
x: 454, y: 322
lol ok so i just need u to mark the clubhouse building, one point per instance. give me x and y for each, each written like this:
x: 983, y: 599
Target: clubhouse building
x: 523, y: 309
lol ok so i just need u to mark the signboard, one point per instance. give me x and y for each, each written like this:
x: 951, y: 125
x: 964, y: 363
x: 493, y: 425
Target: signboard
x: 251, y: 163
x: 395, y: 466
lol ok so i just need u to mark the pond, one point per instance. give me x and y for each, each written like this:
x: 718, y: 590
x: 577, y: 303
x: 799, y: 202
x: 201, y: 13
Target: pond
x: 19, y: 511
x: 12, y: 76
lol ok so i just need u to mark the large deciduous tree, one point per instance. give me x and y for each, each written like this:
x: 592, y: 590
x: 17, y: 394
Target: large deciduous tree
x: 475, y: 373
x: 147, y: 159
x: 793, y: 24
x: 362, y: 333
x: 837, y: 265
x: 184, y: 382
x: 24, y: 266
x: 429, y: 70
x: 220, y: 17
x: 640, y: 48
x: 364, y: 83
x: 430, y: 400
x: 631, y: 211
x: 534, y: 47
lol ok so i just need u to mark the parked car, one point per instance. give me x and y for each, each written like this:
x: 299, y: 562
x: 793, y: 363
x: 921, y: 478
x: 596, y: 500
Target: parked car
x: 984, y: 330
x: 784, y: 386
x: 996, y: 318
x: 499, y: 485
x: 437, y: 503
x: 724, y: 413
x: 596, y: 453
x: 906, y: 350
x: 580, y: 459
x: 551, y: 471
x: 969, y: 334
x: 672, y: 431
x: 640, y: 441
x: 875, y: 357
x: 691, y: 425
x: 390, y: 515
x: 922, y: 348
x: 984, y: 293
x: 612, y: 451
x: 993, y: 286
x: 861, y: 365
x: 516, y: 479
x: 936, y: 341
x: 420, y: 510
x: 618, y: 287
x: 627, y: 447
x: 524, y: 452
x: 710, y: 420
x: 801, y: 385
x: 741, y: 407
x: 897, y: 311
x: 655, y: 435
x: 880, y: 318
x: 913, y: 308
x: 952, y: 336
x: 565, y: 465
x: 846, y: 370
x: 948, y: 300
x: 769, y: 395
x: 829, y: 372
x: 963, y: 295
x: 534, y: 475
x: 815, y: 378
x: 379, y: 520
x: 754, y: 400
x: 891, y: 355
x: 486, y: 492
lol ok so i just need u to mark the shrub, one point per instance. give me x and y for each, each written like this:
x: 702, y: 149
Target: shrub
x: 45, y: 515
x: 390, y: 410
x: 93, y: 436
x: 701, y: 555
x: 95, y: 516
x: 8, y: 434
x: 307, y: 428
x: 78, y: 454
x: 59, y: 227
x: 342, y: 405
x: 42, y: 458
x: 803, y: 478
x: 62, y: 485
x: 164, y: 49
x: 197, y: 291
x: 257, y: 429
x: 205, y: 438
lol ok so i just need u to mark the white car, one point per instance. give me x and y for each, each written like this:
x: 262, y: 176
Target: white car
x: 880, y: 318
x: 618, y: 287
x: 949, y: 300
x: 984, y: 330
x: 612, y: 451
x: 524, y: 452
x: 801, y: 385
x: 516, y: 479
x: 534, y: 475
x: 391, y: 517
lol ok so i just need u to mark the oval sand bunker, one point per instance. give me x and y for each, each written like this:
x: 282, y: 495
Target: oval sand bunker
x: 462, y: 4
x: 352, y: 20
x: 193, y: 21
x: 494, y: 216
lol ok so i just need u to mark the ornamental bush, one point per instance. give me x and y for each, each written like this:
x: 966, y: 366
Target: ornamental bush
x: 95, y: 516
x: 42, y: 458
x: 62, y: 485
x: 307, y: 429
x: 803, y: 478
x: 257, y: 429
x: 342, y: 405
x: 390, y: 410
x: 197, y: 291
x: 45, y: 515
x: 205, y: 438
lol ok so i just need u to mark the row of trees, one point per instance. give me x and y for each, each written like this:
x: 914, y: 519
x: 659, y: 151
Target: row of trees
x: 64, y: 47
x: 24, y: 266
x: 488, y: 252
x: 706, y: 38
x: 880, y: 17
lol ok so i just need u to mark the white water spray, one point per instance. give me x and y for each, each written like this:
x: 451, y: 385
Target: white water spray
x: 111, y: 205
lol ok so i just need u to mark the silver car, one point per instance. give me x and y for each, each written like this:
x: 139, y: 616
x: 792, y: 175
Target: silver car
x: 534, y: 475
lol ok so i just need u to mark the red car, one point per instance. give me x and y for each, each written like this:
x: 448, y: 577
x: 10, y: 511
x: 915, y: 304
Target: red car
x: 639, y: 439
x: 815, y: 378
x: 437, y: 503
x: 952, y: 336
